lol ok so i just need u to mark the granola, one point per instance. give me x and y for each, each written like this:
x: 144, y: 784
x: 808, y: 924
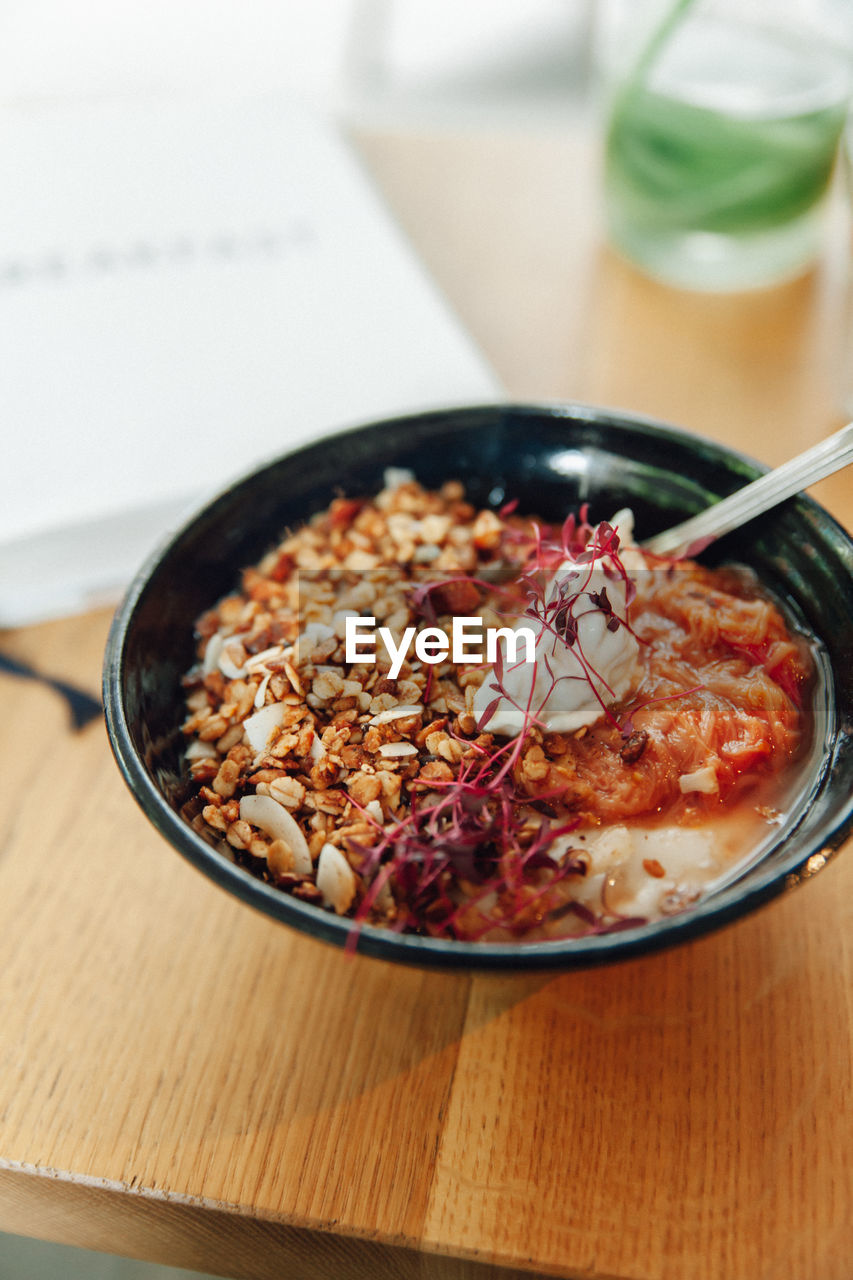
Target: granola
x: 383, y: 797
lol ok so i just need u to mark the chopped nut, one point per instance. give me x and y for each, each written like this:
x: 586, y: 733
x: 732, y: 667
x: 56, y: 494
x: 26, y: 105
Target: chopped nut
x: 436, y: 770
x: 214, y: 728
x: 327, y: 686
x: 364, y: 787
x: 213, y: 817
x: 487, y: 530
x: 324, y: 773
x: 225, y: 782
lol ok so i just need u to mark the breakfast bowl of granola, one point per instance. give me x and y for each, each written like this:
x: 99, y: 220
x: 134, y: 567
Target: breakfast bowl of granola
x: 418, y: 690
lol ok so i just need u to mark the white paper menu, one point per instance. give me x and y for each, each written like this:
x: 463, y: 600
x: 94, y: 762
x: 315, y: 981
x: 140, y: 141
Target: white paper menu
x: 185, y: 289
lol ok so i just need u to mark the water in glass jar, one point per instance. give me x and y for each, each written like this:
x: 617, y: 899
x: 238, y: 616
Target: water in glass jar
x: 719, y: 153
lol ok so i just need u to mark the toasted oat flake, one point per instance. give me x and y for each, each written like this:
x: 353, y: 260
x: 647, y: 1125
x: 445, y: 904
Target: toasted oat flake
x: 287, y: 791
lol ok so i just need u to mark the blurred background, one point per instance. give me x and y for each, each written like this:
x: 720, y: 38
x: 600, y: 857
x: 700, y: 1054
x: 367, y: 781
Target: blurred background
x: 363, y: 60
x: 184, y: 240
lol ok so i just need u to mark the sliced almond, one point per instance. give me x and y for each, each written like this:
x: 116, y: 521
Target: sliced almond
x: 397, y: 713
x: 396, y: 750
x: 259, y: 727
x: 269, y: 816
x: 335, y: 879
x: 262, y: 658
x: 211, y: 653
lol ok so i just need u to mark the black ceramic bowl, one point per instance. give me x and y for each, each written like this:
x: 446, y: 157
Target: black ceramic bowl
x: 551, y: 458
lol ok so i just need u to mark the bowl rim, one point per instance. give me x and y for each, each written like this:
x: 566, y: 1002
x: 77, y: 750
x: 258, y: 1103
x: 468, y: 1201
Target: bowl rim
x: 720, y: 908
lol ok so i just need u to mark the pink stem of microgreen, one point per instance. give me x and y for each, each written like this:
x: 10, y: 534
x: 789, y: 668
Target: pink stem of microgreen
x: 472, y: 830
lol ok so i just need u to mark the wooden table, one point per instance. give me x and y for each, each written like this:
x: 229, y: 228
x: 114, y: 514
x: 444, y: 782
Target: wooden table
x: 184, y: 1080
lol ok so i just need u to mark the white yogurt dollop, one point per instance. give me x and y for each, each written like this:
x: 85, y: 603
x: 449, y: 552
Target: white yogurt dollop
x: 570, y: 684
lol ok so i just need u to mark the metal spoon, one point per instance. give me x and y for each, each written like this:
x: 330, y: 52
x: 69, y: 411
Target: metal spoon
x: 693, y: 535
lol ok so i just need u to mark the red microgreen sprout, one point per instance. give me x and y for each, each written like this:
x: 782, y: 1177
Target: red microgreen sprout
x: 474, y: 856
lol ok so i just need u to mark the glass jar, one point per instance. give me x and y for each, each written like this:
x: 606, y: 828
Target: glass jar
x: 722, y: 128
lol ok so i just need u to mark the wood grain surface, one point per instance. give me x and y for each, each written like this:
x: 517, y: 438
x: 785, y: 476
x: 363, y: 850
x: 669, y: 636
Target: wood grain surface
x: 184, y: 1080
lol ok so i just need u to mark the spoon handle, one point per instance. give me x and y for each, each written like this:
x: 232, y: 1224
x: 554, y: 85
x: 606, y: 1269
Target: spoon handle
x: 831, y: 454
